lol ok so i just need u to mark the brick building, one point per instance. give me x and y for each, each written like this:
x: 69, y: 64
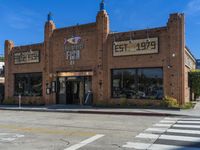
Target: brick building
x: 139, y: 66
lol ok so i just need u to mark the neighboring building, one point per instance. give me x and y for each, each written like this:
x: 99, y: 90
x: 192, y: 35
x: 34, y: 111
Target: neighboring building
x: 198, y: 63
x: 2, y: 81
x: 190, y: 64
x: 2, y: 69
x: 141, y: 66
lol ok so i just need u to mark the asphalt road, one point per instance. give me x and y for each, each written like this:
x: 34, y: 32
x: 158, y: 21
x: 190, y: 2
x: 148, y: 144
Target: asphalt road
x: 65, y: 131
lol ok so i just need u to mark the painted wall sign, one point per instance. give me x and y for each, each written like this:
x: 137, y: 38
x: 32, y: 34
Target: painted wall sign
x: 72, y: 47
x: 27, y: 57
x: 76, y: 74
x: 135, y: 47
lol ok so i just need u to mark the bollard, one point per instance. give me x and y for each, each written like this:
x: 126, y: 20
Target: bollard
x: 20, y: 101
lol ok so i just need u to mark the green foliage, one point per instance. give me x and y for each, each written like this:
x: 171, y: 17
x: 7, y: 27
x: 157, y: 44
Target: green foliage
x: 123, y: 102
x: 187, y: 105
x: 1, y: 59
x: 170, y: 102
x: 101, y: 103
x: 194, y: 79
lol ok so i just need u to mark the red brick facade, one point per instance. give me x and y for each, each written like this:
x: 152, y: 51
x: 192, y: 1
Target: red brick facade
x: 96, y: 57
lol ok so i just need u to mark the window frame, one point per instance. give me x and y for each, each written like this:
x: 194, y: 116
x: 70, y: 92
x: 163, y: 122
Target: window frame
x: 29, y: 76
x: 136, y: 78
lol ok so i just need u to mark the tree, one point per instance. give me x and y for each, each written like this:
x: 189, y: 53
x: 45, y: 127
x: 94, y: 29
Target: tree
x: 194, y: 81
x: 1, y: 59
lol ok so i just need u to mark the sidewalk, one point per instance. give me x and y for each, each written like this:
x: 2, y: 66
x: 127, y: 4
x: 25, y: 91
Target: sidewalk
x: 115, y: 111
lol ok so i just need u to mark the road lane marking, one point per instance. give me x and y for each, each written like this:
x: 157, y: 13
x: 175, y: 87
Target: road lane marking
x: 168, y: 137
x: 9, y: 137
x: 170, y: 147
x: 187, y: 126
x: 183, y: 131
x: 136, y: 145
x: 148, y: 136
x: 168, y: 118
x: 189, y: 122
x: 142, y: 146
x: 162, y: 130
x: 179, y: 138
x: 162, y: 125
x: 194, y: 119
x: 168, y: 121
x: 85, y: 142
x: 157, y: 130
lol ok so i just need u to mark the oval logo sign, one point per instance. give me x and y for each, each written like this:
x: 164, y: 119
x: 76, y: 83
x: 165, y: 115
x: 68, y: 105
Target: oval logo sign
x: 73, y: 40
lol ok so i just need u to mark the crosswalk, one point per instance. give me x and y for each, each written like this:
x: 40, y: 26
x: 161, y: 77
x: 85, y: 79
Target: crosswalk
x: 171, y: 133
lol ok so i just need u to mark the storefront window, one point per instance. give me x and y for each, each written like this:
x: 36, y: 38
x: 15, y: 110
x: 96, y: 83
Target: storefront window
x: 150, y: 83
x: 137, y: 83
x: 124, y: 83
x: 28, y: 84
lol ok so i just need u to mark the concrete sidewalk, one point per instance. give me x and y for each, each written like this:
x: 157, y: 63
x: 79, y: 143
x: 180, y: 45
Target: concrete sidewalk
x: 115, y: 111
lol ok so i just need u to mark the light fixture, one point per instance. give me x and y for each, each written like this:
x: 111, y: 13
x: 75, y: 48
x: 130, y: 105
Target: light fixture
x: 130, y: 41
x: 114, y: 38
x: 169, y: 66
x: 147, y: 31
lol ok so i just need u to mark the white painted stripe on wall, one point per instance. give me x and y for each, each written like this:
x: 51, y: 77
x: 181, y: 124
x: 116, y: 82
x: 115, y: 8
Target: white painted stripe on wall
x: 183, y: 131
x: 143, y: 146
x: 190, y: 122
x: 187, y: 126
x: 180, y: 138
x: 85, y: 142
x: 158, y: 130
x: 162, y: 125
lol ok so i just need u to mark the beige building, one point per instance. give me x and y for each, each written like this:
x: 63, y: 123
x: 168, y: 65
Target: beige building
x: 140, y: 66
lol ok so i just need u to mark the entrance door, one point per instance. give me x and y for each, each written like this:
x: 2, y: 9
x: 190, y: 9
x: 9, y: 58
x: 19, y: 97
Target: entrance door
x: 69, y: 92
x: 72, y: 92
x: 61, y: 90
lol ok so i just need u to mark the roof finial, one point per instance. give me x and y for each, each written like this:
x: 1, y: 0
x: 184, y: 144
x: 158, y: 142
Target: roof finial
x: 102, y: 5
x: 49, y: 17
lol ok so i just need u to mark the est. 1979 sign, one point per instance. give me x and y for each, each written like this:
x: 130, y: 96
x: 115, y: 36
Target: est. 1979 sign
x: 135, y: 47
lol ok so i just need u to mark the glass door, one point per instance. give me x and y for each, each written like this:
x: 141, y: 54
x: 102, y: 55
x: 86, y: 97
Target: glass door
x: 62, y: 90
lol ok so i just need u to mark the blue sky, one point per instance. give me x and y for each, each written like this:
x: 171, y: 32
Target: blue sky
x: 23, y: 21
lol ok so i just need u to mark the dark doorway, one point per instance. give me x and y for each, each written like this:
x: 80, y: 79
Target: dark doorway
x: 73, y: 90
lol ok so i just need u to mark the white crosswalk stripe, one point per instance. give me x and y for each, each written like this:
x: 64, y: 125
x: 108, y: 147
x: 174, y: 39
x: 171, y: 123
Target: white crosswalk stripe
x: 190, y: 122
x: 144, y: 146
x: 196, y: 119
x: 187, y: 126
x: 163, y: 125
x: 157, y: 130
x: 168, y: 121
x: 169, y: 134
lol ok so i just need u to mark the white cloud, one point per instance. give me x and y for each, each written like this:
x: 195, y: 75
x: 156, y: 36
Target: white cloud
x: 193, y: 7
x: 22, y: 18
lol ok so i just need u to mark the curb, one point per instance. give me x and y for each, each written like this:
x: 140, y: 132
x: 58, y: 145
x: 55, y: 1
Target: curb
x: 94, y: 112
